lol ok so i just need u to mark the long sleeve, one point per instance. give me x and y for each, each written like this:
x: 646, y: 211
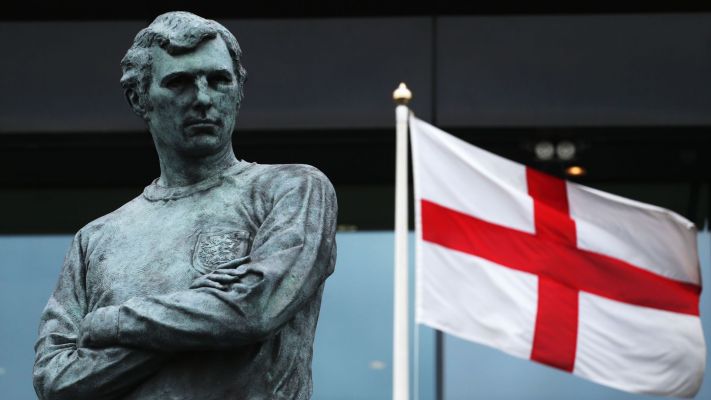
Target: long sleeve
x: 62, y: 370
x: 292, y: 253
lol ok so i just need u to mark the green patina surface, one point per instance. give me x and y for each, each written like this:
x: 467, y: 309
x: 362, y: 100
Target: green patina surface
x: 208, y: 285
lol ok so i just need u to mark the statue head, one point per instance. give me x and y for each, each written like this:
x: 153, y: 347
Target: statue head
x: 184, y: 77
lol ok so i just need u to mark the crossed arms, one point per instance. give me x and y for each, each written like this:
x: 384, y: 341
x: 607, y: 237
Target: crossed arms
x: 107, y: 352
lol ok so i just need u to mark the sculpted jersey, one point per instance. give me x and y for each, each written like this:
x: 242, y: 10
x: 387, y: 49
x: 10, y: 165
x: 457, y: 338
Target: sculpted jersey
x: 208, y: 291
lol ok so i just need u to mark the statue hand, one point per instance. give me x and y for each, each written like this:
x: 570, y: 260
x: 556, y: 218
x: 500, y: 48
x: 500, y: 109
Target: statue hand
x: 222, y: 276
x: 99, y: 328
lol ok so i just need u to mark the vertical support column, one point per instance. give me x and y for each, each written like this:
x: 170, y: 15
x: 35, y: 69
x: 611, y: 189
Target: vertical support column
x: 401, y: 359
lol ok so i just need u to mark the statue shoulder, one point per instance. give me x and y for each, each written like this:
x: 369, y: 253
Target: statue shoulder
x: 108, y: 222
x: 280, y: 177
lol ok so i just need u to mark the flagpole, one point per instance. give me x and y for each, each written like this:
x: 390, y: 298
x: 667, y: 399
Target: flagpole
x: 401, y: 359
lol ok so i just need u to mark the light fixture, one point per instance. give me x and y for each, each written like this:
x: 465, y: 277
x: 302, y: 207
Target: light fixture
x: 565, y: 150
x: 544, y: 150
x: 575, y: 170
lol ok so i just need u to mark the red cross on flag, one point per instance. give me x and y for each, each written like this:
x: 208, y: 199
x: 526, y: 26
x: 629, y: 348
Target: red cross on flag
x: 591, y: 283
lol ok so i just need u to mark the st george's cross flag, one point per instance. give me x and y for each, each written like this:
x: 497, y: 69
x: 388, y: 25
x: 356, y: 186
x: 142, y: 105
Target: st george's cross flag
x: 591, y: 283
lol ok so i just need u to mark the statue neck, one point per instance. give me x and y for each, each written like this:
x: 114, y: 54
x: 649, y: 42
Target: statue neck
x: 178, y: 170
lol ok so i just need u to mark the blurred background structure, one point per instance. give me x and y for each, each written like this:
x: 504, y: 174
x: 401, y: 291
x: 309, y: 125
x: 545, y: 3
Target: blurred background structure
x: 611, y: 96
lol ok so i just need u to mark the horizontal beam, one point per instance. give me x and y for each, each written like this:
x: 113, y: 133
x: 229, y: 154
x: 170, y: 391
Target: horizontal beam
x: 89, y: 10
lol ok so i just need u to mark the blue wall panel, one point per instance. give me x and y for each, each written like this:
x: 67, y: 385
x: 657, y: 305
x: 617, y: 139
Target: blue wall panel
x: 352, y: 354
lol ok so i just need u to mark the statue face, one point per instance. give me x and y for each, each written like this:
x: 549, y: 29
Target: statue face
x: 192, y: 99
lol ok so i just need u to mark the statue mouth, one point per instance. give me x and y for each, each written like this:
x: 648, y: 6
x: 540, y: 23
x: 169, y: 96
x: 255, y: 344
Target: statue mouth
x: 202, y: 123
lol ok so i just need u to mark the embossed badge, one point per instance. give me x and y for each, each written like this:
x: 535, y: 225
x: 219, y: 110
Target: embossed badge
x: 218, y: 246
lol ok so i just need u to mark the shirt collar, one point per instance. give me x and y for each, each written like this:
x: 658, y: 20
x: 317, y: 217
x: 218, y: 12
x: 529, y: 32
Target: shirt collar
x: 155, y: 192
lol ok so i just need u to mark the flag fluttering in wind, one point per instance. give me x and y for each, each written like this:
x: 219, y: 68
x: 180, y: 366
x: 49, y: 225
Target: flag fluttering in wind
x: 591, y: 283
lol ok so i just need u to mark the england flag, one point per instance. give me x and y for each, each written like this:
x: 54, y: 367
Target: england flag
x: 591, y: 283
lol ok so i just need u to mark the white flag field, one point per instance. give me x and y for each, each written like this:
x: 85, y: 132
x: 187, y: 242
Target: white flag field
x: 588, y: 282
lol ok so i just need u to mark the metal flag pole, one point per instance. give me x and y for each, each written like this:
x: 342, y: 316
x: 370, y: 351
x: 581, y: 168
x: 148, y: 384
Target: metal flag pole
x: 401, y: 359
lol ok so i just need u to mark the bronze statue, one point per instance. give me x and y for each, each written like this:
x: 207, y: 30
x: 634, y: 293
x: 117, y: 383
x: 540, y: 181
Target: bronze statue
x: 208, y: 285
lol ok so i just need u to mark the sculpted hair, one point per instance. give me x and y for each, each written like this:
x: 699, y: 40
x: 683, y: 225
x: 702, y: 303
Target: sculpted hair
x: 175, y: 32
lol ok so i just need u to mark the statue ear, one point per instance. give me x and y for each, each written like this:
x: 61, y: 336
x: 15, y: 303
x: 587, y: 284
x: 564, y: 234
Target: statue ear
x: 136, y: 102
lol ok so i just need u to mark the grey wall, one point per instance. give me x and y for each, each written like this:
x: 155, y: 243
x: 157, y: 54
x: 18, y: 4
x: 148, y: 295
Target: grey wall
x: 331, y: 73
x: 339, y: 73
x: 63, y: 77
x: 575, y: 70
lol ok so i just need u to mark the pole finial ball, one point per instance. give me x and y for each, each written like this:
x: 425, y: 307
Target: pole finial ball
x: 402, y: 95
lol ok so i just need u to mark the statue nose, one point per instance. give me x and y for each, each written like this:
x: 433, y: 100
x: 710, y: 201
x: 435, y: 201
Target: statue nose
x: 202, y: 94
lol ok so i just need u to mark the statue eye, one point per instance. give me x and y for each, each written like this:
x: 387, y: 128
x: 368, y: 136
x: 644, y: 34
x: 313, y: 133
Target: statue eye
x: 177, y: 82
x: 219, y: 78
